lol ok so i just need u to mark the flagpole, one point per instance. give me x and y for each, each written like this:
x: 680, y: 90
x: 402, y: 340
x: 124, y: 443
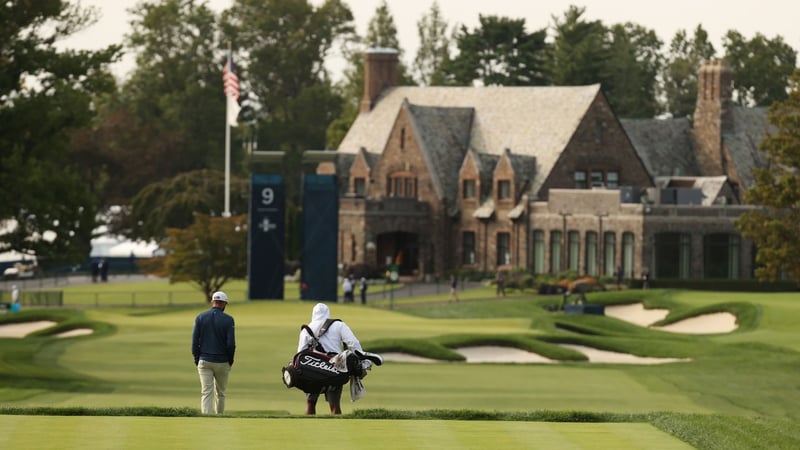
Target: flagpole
x: 227, y: 211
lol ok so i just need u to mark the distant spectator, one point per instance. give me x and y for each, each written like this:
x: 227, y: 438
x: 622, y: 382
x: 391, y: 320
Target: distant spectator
x: 645, y: 278
x: 363, y: 290
x: 94, y: 267
x: 347, y: 289
x: 619, y: 275
x: 103, y: 270
x: 453, y: 288
x: 501, y: 283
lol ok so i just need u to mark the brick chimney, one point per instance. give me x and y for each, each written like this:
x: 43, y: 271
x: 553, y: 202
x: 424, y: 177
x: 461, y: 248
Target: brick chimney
x: 713, y: 116
x: 380, y: 72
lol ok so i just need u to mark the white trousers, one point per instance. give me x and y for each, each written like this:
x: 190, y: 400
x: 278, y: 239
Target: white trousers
x: 213, y: 380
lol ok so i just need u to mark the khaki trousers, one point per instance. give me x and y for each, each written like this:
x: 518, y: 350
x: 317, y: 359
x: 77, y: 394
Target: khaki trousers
x: 213, y: 380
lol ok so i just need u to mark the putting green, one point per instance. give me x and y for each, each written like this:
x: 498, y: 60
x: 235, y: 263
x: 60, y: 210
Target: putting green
x: 47, y: 432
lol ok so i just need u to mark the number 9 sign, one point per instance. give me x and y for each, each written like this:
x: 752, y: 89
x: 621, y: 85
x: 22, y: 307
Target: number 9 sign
x: 267, y: 196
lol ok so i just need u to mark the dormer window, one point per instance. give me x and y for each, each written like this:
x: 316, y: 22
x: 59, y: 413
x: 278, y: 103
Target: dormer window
x: 468, y: 189
x: 503, y: 189
x: 359, y: 186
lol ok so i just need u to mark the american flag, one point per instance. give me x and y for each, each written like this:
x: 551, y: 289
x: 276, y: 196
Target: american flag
x: 230, y: 83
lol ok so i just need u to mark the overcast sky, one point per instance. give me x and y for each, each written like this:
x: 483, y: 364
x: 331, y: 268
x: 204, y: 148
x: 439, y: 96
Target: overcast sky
x: 769, y: 17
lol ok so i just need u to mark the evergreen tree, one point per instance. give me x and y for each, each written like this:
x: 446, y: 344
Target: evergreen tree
x: 48, y: 204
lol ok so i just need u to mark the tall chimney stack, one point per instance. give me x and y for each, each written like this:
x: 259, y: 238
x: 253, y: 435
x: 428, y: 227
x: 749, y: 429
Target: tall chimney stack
x: 380, y: 72
x: 713, y: 115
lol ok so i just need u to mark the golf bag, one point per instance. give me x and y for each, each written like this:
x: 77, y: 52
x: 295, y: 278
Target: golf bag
x: 310, y: 369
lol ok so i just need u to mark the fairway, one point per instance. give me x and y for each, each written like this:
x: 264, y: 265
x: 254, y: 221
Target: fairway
x: 191, y: 433
x: 132, y: 382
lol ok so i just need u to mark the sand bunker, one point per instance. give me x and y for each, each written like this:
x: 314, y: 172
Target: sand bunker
x: 604, y: 356
x: 20, y: 330
x: 722, y: 322
x: 497, y: 354
x: 75, y: 332
x: 636, y: 313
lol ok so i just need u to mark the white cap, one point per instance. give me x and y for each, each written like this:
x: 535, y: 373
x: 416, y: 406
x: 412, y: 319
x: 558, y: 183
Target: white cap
x: 220, y: 297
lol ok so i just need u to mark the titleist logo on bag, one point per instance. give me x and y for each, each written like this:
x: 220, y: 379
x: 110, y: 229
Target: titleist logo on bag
x: 311, y: 361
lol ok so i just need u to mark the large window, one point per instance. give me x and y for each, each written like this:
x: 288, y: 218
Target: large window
x: 574, y: 250
x: 503, y: 189
x: 721, y: 255
x: 555, y: 251
x: 591, y: 253
x: 593, y: 177
x: 609, y: 253
x: 627, y: 254
x: 503, y: 249
x: 538, y: 251
x: 468, y: 246
x: 468, y: 189
x: 673, y: 255
x: 402, y: 185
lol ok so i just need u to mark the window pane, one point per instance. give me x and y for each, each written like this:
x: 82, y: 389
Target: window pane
x: 503, y: 189
x: 503, y: 249
x: 538, y: 251
x: 468, y: 247
x: 612, y: 179
x: 555, y: 251
x: 574, y: 250
x: 609, y: 248
x: 359, y: 186
x: 591, y: 253
x: 580, y: 180
x: 597, y: 178
x: 469, y: 189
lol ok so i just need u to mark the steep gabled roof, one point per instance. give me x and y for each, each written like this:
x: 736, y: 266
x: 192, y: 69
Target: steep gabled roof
x: 443, y: 135
x: 750, y: 127
x: 534, y: 121
x: 665, y: 146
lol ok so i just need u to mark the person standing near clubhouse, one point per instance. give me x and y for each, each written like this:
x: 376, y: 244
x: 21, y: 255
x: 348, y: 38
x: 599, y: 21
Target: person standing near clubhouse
x: 213, y: 347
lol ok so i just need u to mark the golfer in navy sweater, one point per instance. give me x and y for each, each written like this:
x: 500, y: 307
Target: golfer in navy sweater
x: 213, y: 346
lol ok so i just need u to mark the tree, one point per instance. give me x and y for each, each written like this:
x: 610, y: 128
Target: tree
x: 761, y: 67
x: 208, y: 253
x: 580, y: 50
x: 500, y: 52
x: 774, y: 227
x: 680, y: 71
x: 176, y: 87
x: 633, y: 68
x: 434, y: 47
x: 174, y: 202
x: 381, y: 33
x: 47, y: 204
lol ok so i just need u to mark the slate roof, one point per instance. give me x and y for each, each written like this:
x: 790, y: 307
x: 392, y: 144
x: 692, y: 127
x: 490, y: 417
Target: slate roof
x: 750, y: 127
x: 534, y: 121
x: 665, y: 146
x: 444, y: 137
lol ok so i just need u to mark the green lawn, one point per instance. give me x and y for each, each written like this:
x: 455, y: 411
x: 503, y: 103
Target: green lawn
x: 743, y: 382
